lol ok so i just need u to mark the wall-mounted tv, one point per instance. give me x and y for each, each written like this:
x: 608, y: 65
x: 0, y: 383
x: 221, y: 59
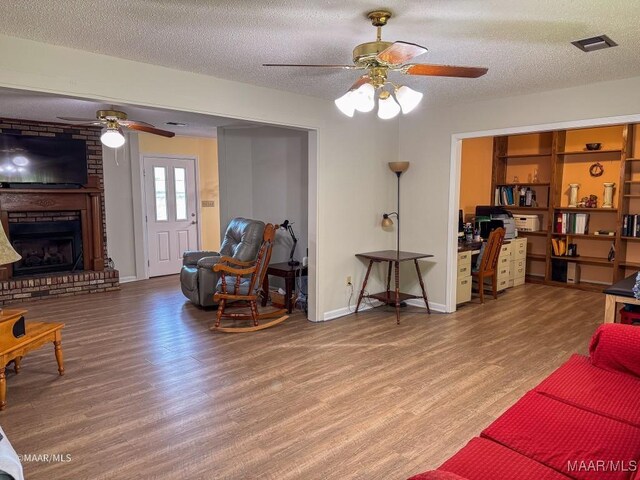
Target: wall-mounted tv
x: 42, y: 160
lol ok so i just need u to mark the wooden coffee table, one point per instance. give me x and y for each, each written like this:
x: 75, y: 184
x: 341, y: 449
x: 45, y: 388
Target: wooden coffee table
x: 37, y: 334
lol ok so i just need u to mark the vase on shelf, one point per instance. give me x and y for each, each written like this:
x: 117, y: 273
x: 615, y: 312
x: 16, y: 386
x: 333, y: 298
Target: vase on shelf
x: 573, y: 194
x: 608, y: 195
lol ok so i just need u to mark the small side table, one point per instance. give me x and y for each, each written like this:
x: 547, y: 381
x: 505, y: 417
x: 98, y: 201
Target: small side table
x: 13, y: 349
x: 394, y: 258
x: 289, y: 273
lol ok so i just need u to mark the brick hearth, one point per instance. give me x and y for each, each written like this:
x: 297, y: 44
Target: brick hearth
x: 60, y: 283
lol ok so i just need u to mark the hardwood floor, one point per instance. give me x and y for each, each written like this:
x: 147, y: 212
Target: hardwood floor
x: 149, y: 392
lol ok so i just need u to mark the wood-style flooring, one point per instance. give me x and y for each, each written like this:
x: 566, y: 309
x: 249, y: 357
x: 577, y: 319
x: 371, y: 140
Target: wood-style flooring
x: 151, y: 393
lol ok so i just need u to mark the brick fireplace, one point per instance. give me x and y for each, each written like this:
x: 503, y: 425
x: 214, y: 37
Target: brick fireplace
x: 59, y: 232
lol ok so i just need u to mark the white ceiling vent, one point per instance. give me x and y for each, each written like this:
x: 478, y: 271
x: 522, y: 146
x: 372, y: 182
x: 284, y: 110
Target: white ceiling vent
x: 595, y: 43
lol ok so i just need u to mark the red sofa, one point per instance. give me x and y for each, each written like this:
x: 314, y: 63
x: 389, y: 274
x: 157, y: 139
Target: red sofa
x: 581, y: 422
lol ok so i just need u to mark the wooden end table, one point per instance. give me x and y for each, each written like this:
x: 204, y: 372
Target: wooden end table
x: 13, y: 349
x: 289, y: 273
x: 394, y: 258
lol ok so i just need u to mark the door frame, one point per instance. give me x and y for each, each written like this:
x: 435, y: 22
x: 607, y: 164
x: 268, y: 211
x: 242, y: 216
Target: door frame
x: 143, y: 198
x: 455, y: 169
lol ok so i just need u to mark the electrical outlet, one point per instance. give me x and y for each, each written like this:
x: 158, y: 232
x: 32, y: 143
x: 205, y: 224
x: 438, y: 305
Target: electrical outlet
x: 349, y: 280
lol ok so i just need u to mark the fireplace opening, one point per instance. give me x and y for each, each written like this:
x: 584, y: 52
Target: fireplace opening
x: 46, y: 247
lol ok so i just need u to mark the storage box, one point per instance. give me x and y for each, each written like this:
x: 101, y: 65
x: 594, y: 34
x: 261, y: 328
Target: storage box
x: 629, y: 317
x: 527, y: 223
x: 573, y: 273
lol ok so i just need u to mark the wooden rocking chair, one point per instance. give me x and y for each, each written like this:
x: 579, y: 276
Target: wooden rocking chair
x: 240, y: 285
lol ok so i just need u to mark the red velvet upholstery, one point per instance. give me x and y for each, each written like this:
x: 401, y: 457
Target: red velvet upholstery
x: 580, y: 384
x: 437, y: 475
x: 482, y: 459
x: 587, y: 411
x: 554, y: 433
x: 616, y: 347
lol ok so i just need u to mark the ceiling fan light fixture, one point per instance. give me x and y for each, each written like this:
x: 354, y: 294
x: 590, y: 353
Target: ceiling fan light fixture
x: 387, y: 107
x: 112, y: 138
x: 346, y: 104
x: 364, y: 98
x: 408, y: 98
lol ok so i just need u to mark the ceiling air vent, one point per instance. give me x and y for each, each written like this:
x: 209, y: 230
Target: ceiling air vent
x: 595, y: 43
x: 176, y: 124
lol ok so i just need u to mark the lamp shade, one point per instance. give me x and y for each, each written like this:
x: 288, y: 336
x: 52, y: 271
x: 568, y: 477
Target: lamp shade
x: 386, y: 222
x: 364, y: 98
x: 408, y: 98
x: 388, y: 108
x: 398, y: 167
x: 7, y: 253
x: 346, y: 104
x: 112, y: 138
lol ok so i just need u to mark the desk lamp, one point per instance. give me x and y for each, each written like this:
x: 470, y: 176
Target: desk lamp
x: 7, y: 253
x: 287, y: 226
x: 398, y: 168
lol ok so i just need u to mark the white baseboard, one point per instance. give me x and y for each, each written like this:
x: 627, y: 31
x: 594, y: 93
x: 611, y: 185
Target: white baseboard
x: 130, y: 278
x: 436, y: 307
x: 415, y: 302
x: 341, y: 312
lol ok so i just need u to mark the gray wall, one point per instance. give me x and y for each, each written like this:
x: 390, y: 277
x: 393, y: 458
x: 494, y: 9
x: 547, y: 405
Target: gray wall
x: 264, y: 175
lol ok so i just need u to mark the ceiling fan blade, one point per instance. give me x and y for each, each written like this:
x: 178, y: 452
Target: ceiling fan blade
x: 358, y: 83
x: 400, y: 52
x: 128, y: 123
x: 153, y: 130
x: 444, y: 70
x: 75, y: 119
x: 346, y: 67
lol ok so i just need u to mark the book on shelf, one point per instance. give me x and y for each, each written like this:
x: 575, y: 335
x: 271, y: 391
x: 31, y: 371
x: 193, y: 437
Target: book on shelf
x: 572, y: 223
x: 631, y: 225
x: 514, y: 196
x: 559, y: 246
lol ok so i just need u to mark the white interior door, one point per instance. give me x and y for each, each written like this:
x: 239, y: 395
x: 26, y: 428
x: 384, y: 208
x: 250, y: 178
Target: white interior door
x: 172, y: 221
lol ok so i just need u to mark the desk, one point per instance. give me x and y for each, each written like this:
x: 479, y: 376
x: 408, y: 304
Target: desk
x: 619, y: 292
x: 393, y: 258
x: 37, y: 334
x: 289, y: 273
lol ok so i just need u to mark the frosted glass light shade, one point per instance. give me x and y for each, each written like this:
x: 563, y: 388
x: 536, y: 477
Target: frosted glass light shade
x: 388, y: 108
x: 112, y: 138
x: 364, y: 98
x: 346, y: 104
x: 408, y: 98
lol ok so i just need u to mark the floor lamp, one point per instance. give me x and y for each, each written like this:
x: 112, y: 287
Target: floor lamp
x: 398, y: 168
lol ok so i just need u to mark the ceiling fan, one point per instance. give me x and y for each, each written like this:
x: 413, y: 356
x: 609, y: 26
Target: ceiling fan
x: 378, y: 59
x: 114, y: 121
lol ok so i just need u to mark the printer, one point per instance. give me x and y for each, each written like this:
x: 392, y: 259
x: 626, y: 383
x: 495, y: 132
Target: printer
x: 488, y: 218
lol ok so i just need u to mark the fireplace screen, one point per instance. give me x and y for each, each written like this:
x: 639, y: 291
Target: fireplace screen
x: 46, y: 247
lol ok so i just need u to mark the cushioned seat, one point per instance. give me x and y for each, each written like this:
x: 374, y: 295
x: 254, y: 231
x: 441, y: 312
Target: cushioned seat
x: 600, y: 391
x: 562, y: 437
x: 243, y: 289
x: 242, y: 241
x: 483, y: 459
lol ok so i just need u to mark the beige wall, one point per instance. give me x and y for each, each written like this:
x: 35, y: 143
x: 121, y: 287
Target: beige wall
x: 475, y: 174
x: 206, y: 151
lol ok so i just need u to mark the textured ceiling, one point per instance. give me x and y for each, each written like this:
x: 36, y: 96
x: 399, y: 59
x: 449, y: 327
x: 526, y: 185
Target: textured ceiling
x: 526, y: 45
x: 46, y: 108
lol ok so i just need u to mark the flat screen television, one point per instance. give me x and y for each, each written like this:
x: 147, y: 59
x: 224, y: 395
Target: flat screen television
x: 42, y: 160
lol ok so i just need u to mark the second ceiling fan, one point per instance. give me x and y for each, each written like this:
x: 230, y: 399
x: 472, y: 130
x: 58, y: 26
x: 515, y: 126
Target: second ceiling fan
x: 379, y: 58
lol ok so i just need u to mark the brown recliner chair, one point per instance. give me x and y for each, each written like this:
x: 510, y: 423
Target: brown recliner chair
x: 242, y: 241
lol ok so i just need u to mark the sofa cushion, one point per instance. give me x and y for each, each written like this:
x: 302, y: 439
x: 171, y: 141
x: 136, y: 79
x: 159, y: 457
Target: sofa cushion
x: 483, y: 459
x: 243, y: 289
x: 437, y: 475
x: 580, y: 384
x: 568, y: 439
x: 616, y: 347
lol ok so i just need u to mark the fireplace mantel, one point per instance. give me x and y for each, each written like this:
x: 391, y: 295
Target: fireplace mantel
x: 87, y: 201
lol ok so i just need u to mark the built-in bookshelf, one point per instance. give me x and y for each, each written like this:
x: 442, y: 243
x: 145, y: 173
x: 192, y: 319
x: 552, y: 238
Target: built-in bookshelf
x: 542, y: 165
